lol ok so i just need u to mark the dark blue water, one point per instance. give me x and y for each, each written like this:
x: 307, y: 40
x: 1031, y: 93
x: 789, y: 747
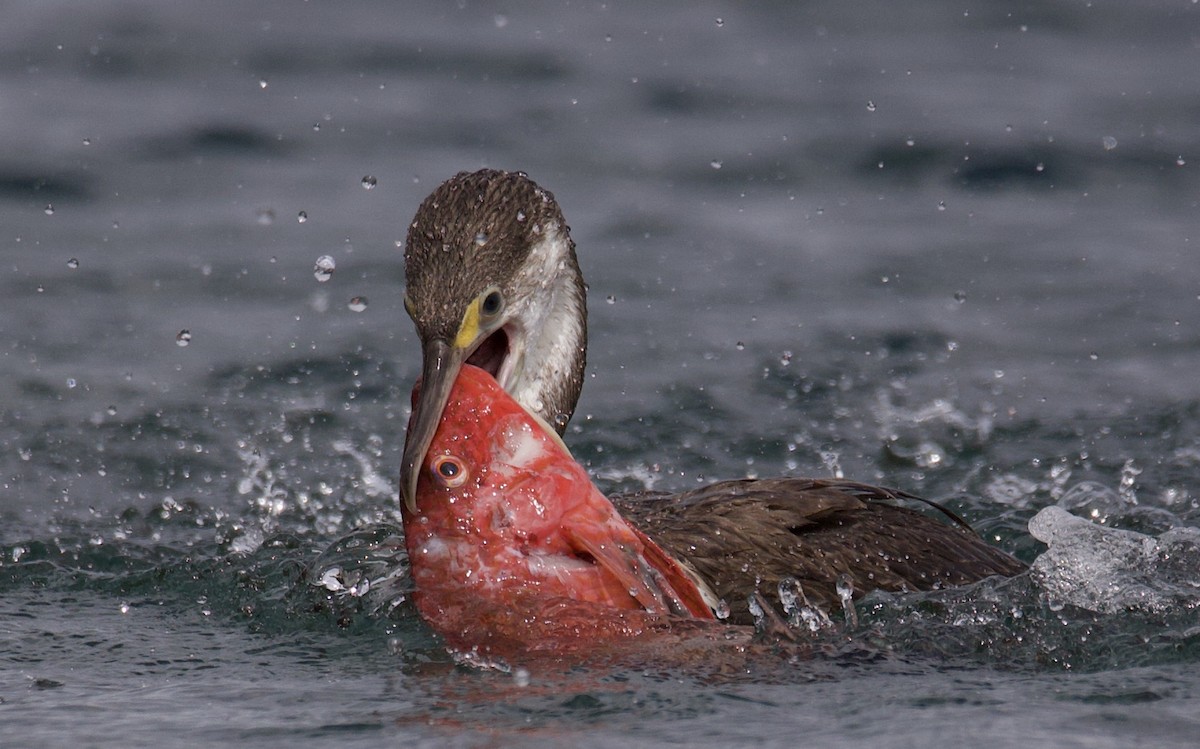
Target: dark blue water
x: 948, y: 247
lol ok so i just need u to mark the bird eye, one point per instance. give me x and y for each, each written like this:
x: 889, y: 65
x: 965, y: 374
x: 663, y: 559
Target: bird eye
x: 449, y: 471
x: 492, y: 304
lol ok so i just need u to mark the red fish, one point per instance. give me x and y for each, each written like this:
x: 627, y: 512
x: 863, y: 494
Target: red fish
x: 513, y: 548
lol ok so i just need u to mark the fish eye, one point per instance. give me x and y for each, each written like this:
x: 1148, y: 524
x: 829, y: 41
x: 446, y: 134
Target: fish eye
x: 492, y: 303
x: 449, y: 471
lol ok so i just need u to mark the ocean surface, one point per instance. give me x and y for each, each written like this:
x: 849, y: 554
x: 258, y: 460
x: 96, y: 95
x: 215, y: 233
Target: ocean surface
x: 950, y: 247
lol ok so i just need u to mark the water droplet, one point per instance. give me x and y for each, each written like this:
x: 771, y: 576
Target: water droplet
x: 756, y: 610
x: 941, y: 205
x: 302, y: 217
x: 124, y: 608
x: 610, y: 299
x: 316, y: 127
x: 500, y: 20
x: 262, y: 82
x: 521, y: 676
x: 870, y: 106
x: 358, y: 304
x: 785, y: 358
x: 960, y: 296
x: 481, y: 239
x: 323, y: 270
x: 1179, y: 161
x: 720, y: 22
x: 790, y: 593
x: 71, y: 383
x: 369, y: 182
x: 1093, y: 356
x: 331, y: 579
x: 520, y: 217
x: 910, y: 142
x: 49, y: 209
x: 111, y: 410
x: 715, y: 164
x: 361, y: 587
x: 87, y: 141
x: 800, y: 612
x: 845, y: 591
x: 73, y: 263
x: 183, y: 337
x: 1040, y: 167
x: 844, y: 587
x: 740, y: 346
x: 265, y: 217
x: 1109, y: 142
x: 722, y: 609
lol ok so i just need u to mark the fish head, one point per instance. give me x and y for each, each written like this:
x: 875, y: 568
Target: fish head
x: 495, y: 471
x: 507, y: 526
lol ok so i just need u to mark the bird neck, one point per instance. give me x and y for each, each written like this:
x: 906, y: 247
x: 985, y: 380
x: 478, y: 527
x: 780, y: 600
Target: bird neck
x: 549, y: 335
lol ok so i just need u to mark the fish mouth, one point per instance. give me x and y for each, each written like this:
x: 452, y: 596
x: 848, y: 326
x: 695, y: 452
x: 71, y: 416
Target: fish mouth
x: 497, y: 354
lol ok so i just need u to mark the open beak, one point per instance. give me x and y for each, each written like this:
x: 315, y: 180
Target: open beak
x: 442, y: 361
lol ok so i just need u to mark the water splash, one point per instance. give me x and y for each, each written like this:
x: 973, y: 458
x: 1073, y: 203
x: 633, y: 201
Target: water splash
x: 374, y: 484
x: 800, y: 612
x: 1109, y: 570
x: 364, y: 571
x: 930, y: 435
x: 845, y: 593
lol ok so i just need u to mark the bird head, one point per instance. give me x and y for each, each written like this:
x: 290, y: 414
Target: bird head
x: 492, y: 279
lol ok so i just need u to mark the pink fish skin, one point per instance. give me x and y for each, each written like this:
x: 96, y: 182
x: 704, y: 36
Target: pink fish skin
x: 513, y: 548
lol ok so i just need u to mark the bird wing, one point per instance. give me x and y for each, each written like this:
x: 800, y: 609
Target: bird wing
x: 746, y: 536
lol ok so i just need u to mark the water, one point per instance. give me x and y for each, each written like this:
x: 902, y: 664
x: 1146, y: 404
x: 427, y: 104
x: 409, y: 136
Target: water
x: 946, y: 247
